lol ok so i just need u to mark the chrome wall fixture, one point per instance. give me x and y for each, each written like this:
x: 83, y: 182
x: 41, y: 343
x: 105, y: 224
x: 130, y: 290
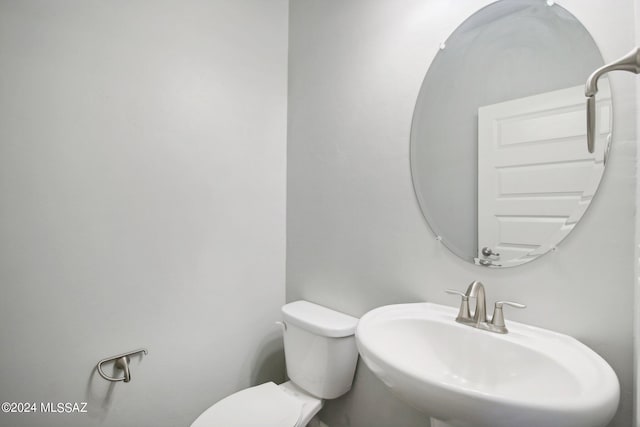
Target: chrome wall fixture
x: 631, y: 63
x: 121, y: 362
x: 479, y: 318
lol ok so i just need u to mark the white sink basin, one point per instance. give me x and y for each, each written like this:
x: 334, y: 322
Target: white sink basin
x: 467, y: 377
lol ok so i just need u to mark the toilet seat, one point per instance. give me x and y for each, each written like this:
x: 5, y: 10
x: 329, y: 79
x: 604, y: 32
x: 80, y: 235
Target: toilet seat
x: 265, y: 405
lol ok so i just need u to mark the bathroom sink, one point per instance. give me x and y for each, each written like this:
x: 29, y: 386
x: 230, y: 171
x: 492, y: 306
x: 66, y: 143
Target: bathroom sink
x: 474, y: 378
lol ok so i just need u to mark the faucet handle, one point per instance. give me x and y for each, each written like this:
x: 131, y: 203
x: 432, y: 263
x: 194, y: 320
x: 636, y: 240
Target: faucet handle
x: 497, y: 320
x: 455, y: 292
x: 499, y: 304
x: 463, y: 313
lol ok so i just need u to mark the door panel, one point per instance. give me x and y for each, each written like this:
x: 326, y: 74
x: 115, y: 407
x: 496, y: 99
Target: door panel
x: 535, y: 175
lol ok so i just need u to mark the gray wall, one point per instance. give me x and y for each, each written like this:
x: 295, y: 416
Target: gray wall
x: 142, y: 203
x: 355, y: 235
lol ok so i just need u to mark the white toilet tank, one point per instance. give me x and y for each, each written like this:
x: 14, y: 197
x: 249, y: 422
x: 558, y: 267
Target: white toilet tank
x: 320, y: 348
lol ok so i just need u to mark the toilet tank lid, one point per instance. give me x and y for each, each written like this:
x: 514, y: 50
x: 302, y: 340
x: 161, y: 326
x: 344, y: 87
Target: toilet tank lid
x: 319, y: 320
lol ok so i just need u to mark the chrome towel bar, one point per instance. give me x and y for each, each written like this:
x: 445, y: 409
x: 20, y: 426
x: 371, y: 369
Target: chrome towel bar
x: 121, y: 362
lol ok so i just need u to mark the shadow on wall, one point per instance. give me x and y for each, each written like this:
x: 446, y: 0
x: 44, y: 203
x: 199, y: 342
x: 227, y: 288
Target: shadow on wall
x: 97, y: 396
x: 99, y: 392
x: 370, y: 404
x: 268, y: 363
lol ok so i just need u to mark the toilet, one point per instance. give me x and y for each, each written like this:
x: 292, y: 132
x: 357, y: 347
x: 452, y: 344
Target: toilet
x: 321, y: 356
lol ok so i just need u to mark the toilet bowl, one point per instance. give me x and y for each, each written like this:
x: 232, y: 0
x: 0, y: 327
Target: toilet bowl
x: 265, y: 405
x: 321, y: 356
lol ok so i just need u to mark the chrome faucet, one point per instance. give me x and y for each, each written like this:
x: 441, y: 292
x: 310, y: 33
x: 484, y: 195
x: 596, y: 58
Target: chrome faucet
x: 479, y: 319
x: 476, y: 290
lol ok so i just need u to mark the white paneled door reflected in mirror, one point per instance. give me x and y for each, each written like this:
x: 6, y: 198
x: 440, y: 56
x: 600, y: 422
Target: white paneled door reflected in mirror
x: 498, y: 138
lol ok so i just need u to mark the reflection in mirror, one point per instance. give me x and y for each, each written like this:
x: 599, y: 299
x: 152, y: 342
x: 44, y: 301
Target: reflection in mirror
x: 498, y: 133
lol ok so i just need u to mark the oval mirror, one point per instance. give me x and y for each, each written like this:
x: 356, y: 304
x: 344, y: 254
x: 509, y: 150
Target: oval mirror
x: 498, y: 140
